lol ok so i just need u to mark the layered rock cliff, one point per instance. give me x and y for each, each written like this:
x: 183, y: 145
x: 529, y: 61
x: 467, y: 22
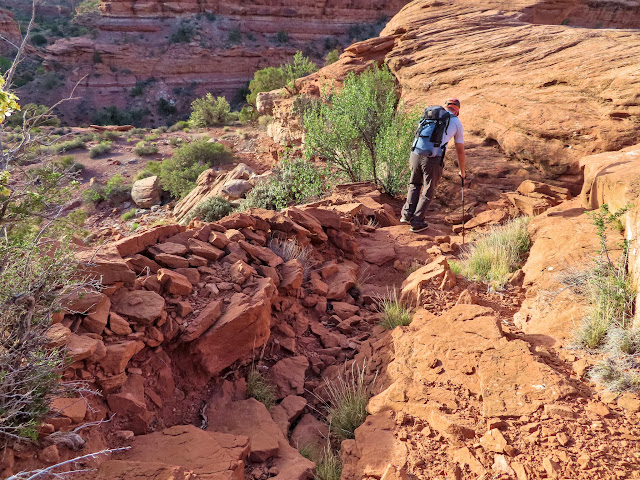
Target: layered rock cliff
x: 10, y: 32
x: 525, y: 75
x: 182, y: 50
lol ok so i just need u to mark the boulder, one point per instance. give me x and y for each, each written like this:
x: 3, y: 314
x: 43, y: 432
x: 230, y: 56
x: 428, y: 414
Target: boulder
x: 235, y: 189
x: 118, y: 325
x: 171, y: 261
x: 172, y: 248
x: 147, y: 192
x: 288, y: 411
x: 118, y: 356
x: 174, y: 282
x: 435, y: 275
x: 57, y: 335
x: 137, y: 242
x: 129, y: 404
x: 240, y: 271
x: 202, y: 322
x: 262, y: 254
x: 327, y: 218
x: 142, y: 265
x: 243, y: 327
x: 310, y: 432
x: 80, y: 347
x: 141, y: 306
x: 309, y: 222
x: 288, y: 375
x: 70, y: 407
x: 292, y: 273
x: 205, y: 250
x: 341, y: 279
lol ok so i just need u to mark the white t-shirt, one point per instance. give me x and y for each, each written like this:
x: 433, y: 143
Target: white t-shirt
x: 454, y: 130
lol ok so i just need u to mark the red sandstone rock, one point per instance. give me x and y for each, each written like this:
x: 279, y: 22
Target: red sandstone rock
x: 141, y: 264
x: 73, y: 408
x: 436, y: 274
x: 205, y: 250
x: 288, y: 375
x: 118, y: 356
x: 292, y: 272
x: 171, y: 261
x: 118, y: 325
x: 262, y: 253
x: 138, y: 242
x: 80, y: 347
x: 202, y: 322
x: 240, y: 271
x: 174, y: 282
x: 146, y: 192
x: 309, y: 222
x: 141, y: 306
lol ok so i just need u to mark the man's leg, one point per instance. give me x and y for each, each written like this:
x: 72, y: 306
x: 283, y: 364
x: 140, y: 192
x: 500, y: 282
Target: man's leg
x: 415, y: 183
x: 432, y: 175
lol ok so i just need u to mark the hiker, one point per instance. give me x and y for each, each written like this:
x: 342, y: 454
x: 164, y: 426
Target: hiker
x: 437, y: 126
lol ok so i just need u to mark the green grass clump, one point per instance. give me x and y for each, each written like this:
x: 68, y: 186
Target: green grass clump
x: 101, y: 149
x: 69, y: 145
x: 394, y: 313
x: 494, y: 256
x: 259, y: 387
x: 129, y: 215
x: 347, y: 399
x: 68, y: 164
x: 329, y: 466
x: 178, y: 126
x: 114, y: 191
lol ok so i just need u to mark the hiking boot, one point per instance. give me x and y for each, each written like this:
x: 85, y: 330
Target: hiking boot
x: 406, y: 218
x: 419, y: 226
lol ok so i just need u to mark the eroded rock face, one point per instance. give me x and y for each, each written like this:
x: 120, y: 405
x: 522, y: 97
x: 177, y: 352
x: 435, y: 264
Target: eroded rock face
x: 146, y: 192
x: 520, y: 52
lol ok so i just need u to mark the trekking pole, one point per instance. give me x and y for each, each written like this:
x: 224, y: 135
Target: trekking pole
x: 463, y: 212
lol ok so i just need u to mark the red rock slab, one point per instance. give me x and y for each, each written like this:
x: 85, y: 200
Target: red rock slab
x: 105, y: 265
x: 202, y: 322
x: 80, y: 347
x: 133, y: 470
x: 170, y: 248
x: 261, y: 253
x: 171, y: 261
x: 436, y: 274
x: 73, y: 408
x: 288, y: 375
x: 340, y: 278
x: 206, y: 455
x: 327, y: 218
x: 309, y: 222
x: 174, y: 282
x: 141, y: 264
x: 292, y: 273
x: 237, y: 221
x: 141, y: 306
x: 218, y: 240
x: 118, y: 356
x: 205, y: 250
x: 244, y: 326
x: 138, y: 242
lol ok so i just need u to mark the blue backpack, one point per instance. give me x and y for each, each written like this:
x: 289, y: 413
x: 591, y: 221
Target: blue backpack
x: 432, y: 126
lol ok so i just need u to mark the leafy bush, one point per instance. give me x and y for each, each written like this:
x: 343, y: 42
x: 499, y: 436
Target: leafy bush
x: 152, y: 168
x: 179, y: 173
x: 211, y: 209
x: 72, y: 144
x: 37, y: 116
x: 68, y: 163
x: 114, y: 191
x: 293, y: 182
x: 112, y: 115
x: 260, y: 388
x: 359, y: 131
x: 166, y: 107
x: 142, y: 148
x: 332, y: 57
x: 101, y: 149
x: 497, y: 254
x: 247, y: 114
x: 272, y: 78
x: 39, y: 40
x: 235, y: 36
x: 208, y: 111
x: 184, y: 33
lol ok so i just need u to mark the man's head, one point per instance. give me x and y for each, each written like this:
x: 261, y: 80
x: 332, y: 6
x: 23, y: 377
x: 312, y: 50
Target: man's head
x: 453, y: 105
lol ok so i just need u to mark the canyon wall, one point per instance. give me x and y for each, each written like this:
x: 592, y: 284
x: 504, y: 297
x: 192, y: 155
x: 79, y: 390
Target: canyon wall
x: 10, y: 31
x: 182, y: 50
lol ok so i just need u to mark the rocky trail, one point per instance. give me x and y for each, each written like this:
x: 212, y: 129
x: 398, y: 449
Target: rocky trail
x: 475, y: 387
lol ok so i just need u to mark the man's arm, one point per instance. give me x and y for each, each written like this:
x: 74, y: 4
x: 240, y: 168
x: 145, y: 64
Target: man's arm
x: 462, y: 157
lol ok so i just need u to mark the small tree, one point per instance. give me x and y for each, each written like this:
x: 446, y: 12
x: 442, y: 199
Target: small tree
x: 209, y: 111
x: 273, y: 78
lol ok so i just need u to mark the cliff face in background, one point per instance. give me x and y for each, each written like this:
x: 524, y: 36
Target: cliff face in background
x: 547, y: 93
x: 10, y: 31
x: 182, y: 50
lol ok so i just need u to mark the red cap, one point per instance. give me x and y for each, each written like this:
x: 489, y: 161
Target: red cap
x: 453, y: 104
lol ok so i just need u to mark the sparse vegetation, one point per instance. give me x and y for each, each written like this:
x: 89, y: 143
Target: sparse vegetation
x: 361, y: 133
x: 112, y: 115
x: 497, y: 254
x: 260, y: 388
x: 293, y: 182
x: 394, y: 313
x: 282, y: 37
x: 68, y: 163
x: 176, y: 127
x: 100, y: 149
x: 235, y: 36
x: 211, y: 209
x: 290, y: 249
x: 129, y: 215
x: 265, y: 120
x: 209, y: 111
x: 75, y: 142
x: 328, y: 466
x: 332, y: 57
x: 184, y: 32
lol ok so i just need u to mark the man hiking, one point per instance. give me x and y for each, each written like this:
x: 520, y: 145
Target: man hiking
x: 437, y: 126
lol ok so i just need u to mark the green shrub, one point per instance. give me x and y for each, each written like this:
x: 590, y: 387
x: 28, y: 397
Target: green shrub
x: 495, y: 255
x: 5, y: 64
x: 97, y: 58
x: 129, y: 215
x: 68, y: 145
x: 184, y: 33
x: 142, y: 148
x: 68, y: 163
x: 179, y: 173
x: 181, y: 125
x: 152, y: 168
x: 112, y: 115
x: 235, y: 36
x: 273, y: 78
x: 114, y: 191
x: 50, y: 81
x: 359, y: 131
x: 36, y: 115
x: 166, y: 107
x: 332, y: 57
x: 294, y: 181
x: 134, y: 226
x: 101, y: 149
x: 211, y: 209
x: 265, y: 120
x: 38, y: 40
x: 394, y: 313
x: 86, y: 7
x: 282, y: 36
x: 260, y: 388
x: 247, y: 114
x: 208, y: 111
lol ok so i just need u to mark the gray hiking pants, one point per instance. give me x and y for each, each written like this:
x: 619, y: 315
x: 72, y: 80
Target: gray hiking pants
x: 425, y: 174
